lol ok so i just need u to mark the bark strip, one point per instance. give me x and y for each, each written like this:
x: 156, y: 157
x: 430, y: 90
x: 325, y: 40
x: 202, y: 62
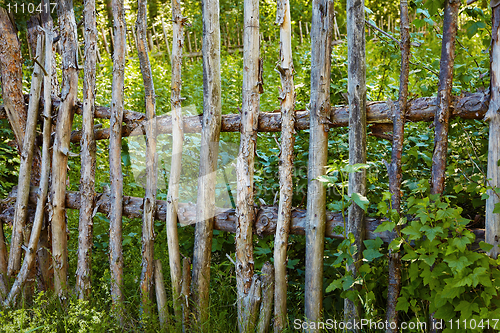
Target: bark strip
x: 151, y: 157
x: 247, y: 310
x: 26, y: 162
x: 175, y: 167
x: 356, y: 86
x: 493, y: 220
x: 29, y: 259
x: 287, y: 97
x: 185, y: 294
x: 441, y: 119
x: 61, y: 147
x: 88, y: 156
x: 161, y: 295
x: 208, y: 159
x: 321, y: 39
x: 115, y: 166
x: 266, y: 305
x: 395, y: 175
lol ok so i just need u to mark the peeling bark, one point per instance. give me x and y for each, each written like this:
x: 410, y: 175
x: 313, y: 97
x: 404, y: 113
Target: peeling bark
x: 287, y: 97
x: 175, y: 168
x: 321, y: 38
x: 266, y: 305
x: 151, y: 157
x: 493, y: 220
x: 161, y: 295
x: 88, y: 156
x: 356, y: 86
x: 185, y: 294
x: 441, y: 120
x: 115, y: 166
x: 247, y: 310
x: 395, y: 174
x: 208, y: 159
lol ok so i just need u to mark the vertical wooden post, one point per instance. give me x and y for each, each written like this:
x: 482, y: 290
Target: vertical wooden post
x: 161, y: 295
x: 287, y: 98
x: 105, y: 41
x: 356, y: 87
x: 166, y: 38
x: 321, y: 49
x: 151, y: 157
x: 441, y: 119
x: 88, y: 155
x: 189, y: 42
x: 185, y: 294
x: 300, y: 30
x: 266, y: 306
x: 493, y: 220
x: 208, y: 158
x: 175, y: 168
x: 115, y: 164
x: 395, y: 175
x: 61, y: 143
x: 247, y: 310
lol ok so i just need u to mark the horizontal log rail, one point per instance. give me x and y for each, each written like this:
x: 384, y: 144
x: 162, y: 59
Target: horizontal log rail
x: 468, y: 106
x: 225, y: 219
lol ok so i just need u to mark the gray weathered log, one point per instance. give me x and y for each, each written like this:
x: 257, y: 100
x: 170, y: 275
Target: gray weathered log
x: 266, y: 305
x: 321, y: 40
x: 61, y: 145
x: 88, y: 156
x: 493, y: 116
x: 245, y: 170
x: 175, y: 167
x: 115, y: 166
x: 161, y: 295
x: 212, y: 108
x: 151, y: 157
x: 26, y: 162
x: 287, y: 97
x: 356, y: 86
x: 185, y: 293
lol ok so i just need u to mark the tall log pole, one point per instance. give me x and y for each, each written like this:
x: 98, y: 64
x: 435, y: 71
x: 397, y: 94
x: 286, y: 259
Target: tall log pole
x: 88, y: 155
x: 247, y: 310
x: 395, y: 175
x: 287, y: 98
x: 61, y: 147
x: 356, y: 86
x: 321, y: 40
x: 31, y: 253
x: 441, y: 120
x: 26, y: 163
x: 493, y: 220
x: 151, y: 157
x: 115, y: 166
x: 175, y: 168
x: 208, y: 158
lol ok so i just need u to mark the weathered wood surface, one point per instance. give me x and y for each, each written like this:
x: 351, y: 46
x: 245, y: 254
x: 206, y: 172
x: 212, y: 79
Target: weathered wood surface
x: 174, y: 256
x: 266, y: 305
x: 395, y: 174
x: 161, y: 295
x: 468, y: 106
x: 441, y: 120
x: 115, y: 163
x: 356, y: 87
x: 287, y: 98
x: 246, y: 301
x: 493, y: 220
x: 212, y: 108
x: 88, y: 155
x: 321, y: 39
x: 61, y: 147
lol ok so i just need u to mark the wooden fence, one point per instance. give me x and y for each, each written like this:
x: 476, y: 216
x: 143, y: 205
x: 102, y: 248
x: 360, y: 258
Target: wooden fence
x: 255, y: 292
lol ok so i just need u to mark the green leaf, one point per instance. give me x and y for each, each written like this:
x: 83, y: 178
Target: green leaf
x: 385, y: 226
x: 413, y: 231
x: 403, y: 304
x: 428, y: 259
x: 496, y: 210
x: 485, y: 246
x: 361, y: 201
x: 461, y: 243
x: 334, y: 285
x: 457, y: 264
x: 355, y: 167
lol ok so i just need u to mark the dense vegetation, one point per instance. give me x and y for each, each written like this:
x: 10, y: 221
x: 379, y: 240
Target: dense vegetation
x: 433, y: 261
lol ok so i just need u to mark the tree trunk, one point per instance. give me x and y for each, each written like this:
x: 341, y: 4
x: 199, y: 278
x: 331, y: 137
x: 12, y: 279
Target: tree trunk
x: 165, y: 36
x: 441, y: 120
x: 26, y: 163
x: 266, y: 306
x: 29, y: 259
x: 356, y: 59
x: 395, y: 175
x: 61, y: 144
x: 185, y: 294
x: 88, y: 155
x: 175, y: 168
x: 161, y: 295
x: 493, y: 220
x: 245, y: 168
x: 115, y: 166
x: 208, y: 158
x: 151, y: 169
x: 321, y: 40
x: 287, y: 97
